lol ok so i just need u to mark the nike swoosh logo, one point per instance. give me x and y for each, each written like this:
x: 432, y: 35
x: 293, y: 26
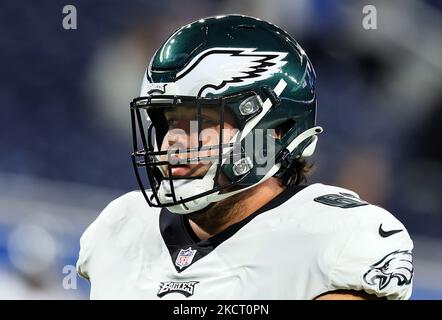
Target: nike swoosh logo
x: 385, y: 234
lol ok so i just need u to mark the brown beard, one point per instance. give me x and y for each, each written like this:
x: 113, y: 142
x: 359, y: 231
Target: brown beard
x: 217, y: 214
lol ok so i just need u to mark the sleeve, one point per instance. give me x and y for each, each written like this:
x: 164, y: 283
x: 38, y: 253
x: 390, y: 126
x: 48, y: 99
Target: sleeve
x: 86, y: 246
x: 376, y: 256
x: 94, y: 235
x: 96, y: 241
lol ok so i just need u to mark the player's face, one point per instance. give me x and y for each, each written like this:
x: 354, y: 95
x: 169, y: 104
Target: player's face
x: 183, y: 133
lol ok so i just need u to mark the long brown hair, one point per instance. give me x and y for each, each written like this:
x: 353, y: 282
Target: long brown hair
x: 298, y: 173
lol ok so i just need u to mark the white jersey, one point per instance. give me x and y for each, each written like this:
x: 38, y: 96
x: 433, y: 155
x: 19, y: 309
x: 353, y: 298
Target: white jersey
x: 306, y: 242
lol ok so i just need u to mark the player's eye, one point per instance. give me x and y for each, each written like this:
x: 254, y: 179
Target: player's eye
x: 172, y: 123
x: 207, y: 122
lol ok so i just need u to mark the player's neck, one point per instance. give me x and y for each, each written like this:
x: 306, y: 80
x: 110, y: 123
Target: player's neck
x: 233, y: 209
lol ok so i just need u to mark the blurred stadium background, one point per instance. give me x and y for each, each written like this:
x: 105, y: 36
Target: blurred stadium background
x: 65, y: 135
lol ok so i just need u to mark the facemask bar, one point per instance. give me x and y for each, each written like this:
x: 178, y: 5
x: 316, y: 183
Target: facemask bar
x: 147, y: 157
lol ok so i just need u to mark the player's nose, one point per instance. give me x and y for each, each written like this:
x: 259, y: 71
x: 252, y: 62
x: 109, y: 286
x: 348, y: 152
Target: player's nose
x: 177, y: 139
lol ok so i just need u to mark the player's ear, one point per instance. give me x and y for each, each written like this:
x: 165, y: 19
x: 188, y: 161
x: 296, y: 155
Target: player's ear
x: 278, y: 133
x: 283, y: 128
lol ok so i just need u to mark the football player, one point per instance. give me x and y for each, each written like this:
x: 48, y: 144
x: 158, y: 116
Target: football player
x: 222, y: 129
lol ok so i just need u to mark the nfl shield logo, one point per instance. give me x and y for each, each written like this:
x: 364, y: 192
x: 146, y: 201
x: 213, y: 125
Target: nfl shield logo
x: 185, y: 257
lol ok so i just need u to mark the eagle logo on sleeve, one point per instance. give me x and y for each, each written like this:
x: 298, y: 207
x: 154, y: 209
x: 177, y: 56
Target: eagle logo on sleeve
x: 396, y: 265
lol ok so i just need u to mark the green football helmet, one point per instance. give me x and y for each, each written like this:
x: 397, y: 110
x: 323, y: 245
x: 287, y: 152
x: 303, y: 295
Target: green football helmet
x: 243, y: 66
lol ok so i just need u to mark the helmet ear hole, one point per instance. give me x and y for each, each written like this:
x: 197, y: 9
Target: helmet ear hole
x: 283, y: 128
